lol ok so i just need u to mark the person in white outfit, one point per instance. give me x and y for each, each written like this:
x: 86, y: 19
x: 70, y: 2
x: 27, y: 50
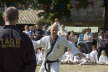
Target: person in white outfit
x: 26, y: 30
x: 94, y: 55
x: 62, y: 31
x: 54, y: 46
x: 68, y: 57
x: 103, y: 59
x: 64, y: 57
x: 91, y: 58
x: 76, y: 60
x: 39, y: 56
x: 57, y: 21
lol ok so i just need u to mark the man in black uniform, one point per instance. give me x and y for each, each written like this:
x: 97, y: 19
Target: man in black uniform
x: 16, y: 49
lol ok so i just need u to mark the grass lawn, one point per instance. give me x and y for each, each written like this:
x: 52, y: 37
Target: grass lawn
x: 81, y: 68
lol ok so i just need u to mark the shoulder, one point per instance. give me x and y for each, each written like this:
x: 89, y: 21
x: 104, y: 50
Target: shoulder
x: 101, y: 56
x: 61, y: 38
x: 10, y: 31
x: 45, y: 38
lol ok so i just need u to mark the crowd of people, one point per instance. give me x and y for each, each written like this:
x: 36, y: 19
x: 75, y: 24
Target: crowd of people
x: 92, y: 45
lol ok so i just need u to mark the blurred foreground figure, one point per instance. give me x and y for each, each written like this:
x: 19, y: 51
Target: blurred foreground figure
x: 16, y: 49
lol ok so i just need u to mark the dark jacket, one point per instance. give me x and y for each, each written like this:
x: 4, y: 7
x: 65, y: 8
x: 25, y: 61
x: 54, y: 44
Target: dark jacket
x: 16, y: 51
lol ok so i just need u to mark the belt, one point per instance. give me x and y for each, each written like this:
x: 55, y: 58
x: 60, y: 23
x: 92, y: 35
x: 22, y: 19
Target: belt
x: 49, y: 62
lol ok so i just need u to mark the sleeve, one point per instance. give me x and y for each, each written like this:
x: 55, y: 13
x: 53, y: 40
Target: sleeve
x: 72, y: 47
x: 59, y: 33
x: 78, y: 41
x: 29, y: 55
x: 37, y: 44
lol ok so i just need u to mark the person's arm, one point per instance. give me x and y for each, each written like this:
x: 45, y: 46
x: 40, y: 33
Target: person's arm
x: 72, y: 47
x: 59, y: 33
x: 39, y: 43
x: 29, y: 59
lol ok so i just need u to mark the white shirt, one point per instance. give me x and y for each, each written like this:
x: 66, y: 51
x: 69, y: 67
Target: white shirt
x: 88, y: 37
x: 58, y: 49
x: 62, y: 33
x: 93, y: 56
x: 27, y: 32
x: 103, y: 59
x: 68, y: 57
x: 59, y: 25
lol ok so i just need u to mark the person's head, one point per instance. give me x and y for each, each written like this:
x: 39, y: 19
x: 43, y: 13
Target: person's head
x: 31, y: 28
x: 36, y: 27
x: 83, y: 31
x: 86, y: 30
x: 63, y: 27
x: 93, y: 47
x: 54, y: 29
x: 100, y: 31
x: 44, y: 27
x: 103, y: 53
x: 26, y: 27
x: 56, y: 20
x: 11, y: 15
x: 72, y: 33
x: 89, y: 29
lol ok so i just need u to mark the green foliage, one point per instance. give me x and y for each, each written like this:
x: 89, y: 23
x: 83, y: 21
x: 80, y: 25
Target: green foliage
x: 48, y: 17
x: 53, y: 8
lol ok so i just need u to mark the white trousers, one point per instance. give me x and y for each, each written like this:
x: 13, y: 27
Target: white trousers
x: 54, y: 67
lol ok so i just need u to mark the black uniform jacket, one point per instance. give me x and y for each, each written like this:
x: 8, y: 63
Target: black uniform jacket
x: 16, y: 51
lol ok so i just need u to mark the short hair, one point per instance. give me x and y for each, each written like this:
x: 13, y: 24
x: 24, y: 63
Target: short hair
x: 11, y: 13
x: 54, y: 26
x: 56, y: 19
